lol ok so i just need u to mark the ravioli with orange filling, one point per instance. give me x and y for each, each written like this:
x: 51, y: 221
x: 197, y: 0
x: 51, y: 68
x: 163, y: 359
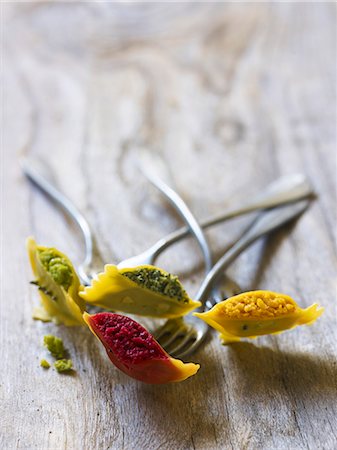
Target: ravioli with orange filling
x: 256, y: 313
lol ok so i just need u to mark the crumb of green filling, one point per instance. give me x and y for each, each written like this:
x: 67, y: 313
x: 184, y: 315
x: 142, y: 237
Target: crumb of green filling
x: 56, y: 348
x: 63, y: 365
x: 54, y: 345
x: 44, y: 363
x: 58, y: 267
x: 158, y: 281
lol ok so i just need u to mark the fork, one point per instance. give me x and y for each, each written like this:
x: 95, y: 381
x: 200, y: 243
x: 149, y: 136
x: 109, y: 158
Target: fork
x: 284, y: 190
x: 179, y: 337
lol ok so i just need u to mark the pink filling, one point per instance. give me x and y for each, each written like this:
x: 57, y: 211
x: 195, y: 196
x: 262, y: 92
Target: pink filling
x: 128, y: 340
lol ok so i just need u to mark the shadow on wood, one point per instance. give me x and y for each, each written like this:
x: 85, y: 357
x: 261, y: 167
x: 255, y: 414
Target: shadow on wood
x: 262, y: 370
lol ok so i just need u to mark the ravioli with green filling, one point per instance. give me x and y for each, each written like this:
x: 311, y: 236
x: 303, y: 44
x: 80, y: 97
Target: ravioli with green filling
x: 58, y: 285
x: 143, y: 290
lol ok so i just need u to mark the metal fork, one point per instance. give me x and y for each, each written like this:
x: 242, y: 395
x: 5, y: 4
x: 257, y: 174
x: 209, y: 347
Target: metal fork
x: 284, y: 190
x: 182, y: 337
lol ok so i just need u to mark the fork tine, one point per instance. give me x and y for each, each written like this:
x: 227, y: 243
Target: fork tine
x: 192, y: 335
x: 196, y: 336
x: 190, y: 349
x: 180, y: 331
x: 167, y: 328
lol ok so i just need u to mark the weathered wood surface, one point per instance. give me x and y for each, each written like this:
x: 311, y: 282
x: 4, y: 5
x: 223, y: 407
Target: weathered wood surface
x: 232, y: 95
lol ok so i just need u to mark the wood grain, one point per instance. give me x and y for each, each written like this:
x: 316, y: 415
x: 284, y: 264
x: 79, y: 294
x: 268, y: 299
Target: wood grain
x: 233, y: 95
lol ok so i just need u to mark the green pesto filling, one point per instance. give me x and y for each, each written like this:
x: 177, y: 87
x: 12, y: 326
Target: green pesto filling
x: 63, y: 365
x: 54, y: 345
x: 44, y: 363
x: 58, y: 268
x: 157, y: 281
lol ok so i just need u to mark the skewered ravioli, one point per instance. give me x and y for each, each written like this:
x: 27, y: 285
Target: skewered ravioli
x: 257, y: 313
x: 58, y: 286
x: 144, y: 290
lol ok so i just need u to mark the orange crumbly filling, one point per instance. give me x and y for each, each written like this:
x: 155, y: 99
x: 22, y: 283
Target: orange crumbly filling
x: 259, y: 305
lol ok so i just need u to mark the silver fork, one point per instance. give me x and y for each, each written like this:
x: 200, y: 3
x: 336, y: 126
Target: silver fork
x: 284, y: 190
x: 182, y: 337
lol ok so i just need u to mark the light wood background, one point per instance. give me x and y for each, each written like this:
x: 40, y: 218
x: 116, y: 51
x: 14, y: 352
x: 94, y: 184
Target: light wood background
x: 233, y: 96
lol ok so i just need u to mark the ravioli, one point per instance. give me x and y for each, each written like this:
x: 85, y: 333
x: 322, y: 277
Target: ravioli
x: 257, y: 313
x: 58, y: 286
x: 135, y: 352
x: 143, y: 290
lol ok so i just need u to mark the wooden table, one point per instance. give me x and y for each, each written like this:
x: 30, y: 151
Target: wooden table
x: 232, y: 96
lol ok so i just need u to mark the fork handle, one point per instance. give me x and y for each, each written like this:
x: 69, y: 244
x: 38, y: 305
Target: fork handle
x: 184, y: 211
x: 153, y: 167
x: 286, y: 189
x: 266, y: 222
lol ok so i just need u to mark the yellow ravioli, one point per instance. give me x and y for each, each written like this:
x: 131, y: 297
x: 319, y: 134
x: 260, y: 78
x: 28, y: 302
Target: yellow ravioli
x: 256, y: 313
x: 143, y: 290
x: 58, y: 286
